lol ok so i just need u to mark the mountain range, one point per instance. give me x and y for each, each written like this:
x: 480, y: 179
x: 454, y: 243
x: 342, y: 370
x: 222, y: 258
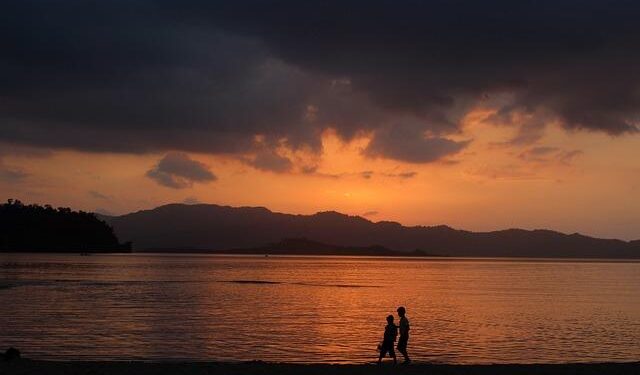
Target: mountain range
x: 209, y: 227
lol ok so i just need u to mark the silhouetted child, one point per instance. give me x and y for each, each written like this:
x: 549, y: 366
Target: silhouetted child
x: 404, y: 334
x: 390, y: 335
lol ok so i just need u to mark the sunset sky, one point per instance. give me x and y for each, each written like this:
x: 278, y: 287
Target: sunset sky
x: 481, y: 115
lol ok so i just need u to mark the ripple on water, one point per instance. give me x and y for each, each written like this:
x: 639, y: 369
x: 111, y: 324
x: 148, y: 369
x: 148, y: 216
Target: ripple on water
x: 317, y: 309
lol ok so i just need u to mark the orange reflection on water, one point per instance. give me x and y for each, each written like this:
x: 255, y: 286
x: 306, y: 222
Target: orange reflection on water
x: 318, y: 309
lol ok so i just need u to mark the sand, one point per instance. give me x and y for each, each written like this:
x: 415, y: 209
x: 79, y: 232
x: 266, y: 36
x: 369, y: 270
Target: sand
x: 260, y: 368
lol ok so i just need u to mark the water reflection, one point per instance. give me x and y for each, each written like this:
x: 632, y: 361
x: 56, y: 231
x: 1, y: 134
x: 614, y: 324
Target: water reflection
x: 317, y: 309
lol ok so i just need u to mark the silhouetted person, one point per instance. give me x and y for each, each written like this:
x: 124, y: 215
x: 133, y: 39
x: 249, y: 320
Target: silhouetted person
x: 404, y: 334
x: 390, y: 335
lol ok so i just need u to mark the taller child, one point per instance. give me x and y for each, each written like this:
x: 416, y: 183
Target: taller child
x: 404, y: 334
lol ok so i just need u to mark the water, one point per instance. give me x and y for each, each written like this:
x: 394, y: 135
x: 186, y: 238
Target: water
x: 317, y: 309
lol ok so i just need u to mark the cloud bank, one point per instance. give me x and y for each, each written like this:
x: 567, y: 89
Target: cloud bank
x: 200, y: 76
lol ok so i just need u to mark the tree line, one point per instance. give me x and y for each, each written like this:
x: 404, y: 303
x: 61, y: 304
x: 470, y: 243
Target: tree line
x: 43, y: 228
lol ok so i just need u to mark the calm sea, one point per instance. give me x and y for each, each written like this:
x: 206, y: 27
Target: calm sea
x: 317, y: 309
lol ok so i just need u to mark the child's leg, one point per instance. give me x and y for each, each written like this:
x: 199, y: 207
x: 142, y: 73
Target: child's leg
x: 402, y: 348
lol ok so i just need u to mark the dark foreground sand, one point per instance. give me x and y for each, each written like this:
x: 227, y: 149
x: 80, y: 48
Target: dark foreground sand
x: 259, y: 368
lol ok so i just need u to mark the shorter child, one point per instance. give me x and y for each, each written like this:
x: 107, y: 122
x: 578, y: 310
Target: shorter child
x: 390, y: 335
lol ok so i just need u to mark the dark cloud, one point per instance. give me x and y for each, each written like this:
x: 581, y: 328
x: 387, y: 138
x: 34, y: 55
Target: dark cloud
x: 370, y: 213
x: 202, y: 76
x: 574, y: 60
x: 267, y: 159
x: 23, y: 151
x: 411, y: 146
x: 177, y: 170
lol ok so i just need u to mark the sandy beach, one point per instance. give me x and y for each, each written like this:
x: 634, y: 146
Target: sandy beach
x: 261, y: 368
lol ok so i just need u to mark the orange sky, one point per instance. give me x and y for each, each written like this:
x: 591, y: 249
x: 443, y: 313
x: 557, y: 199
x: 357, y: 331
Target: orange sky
x: 568, y: 181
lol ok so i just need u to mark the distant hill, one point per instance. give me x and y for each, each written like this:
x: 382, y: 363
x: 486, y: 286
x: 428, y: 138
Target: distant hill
x: 35, y: 228
x: 303, y: 246
x: 213, y: 227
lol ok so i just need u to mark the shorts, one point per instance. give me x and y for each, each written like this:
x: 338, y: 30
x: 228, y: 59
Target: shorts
x: 387, y: 347
x: 402, y: 343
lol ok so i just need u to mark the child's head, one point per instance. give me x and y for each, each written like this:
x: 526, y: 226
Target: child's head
x: 390, y: 319
x: 401, y: 311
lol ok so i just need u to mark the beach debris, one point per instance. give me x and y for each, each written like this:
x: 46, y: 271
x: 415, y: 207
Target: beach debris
x: 11, y: 354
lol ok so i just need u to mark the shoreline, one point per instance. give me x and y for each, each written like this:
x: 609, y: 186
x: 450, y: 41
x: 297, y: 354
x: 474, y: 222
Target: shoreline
x: 26, y: 366
x: 429, y: 257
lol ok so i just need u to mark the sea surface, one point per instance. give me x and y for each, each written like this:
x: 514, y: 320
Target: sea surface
x: 317, y: 309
